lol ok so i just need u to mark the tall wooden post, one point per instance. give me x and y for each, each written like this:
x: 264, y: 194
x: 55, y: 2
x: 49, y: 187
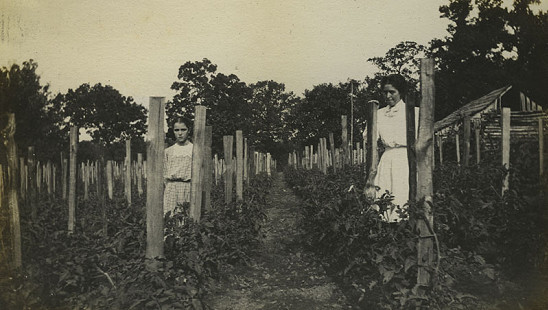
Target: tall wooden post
x: 208, y: 168
x: 127, y: 179
x: 466, y: 150
x: 440, y: 148
x: 72, y: 178
x: 252, y: 160
x: 411, y: 152
x: 372, y: 153
x: 109, y: 179
x: 268, y: 164
x: 332, y: 147
x: 541, y: 146
x: 86, y: 180
x: 197, y: 163
x: 139, y: 173
x: 239, y: 165
x: 228, y: 144
x: 64, y: 173
x: 505, y: 118
x: 425, y: 189
x: 344, y: 136
x: 32, y: 191
x: 457, y: 144
x: 155, y: 181
x: 13, y: 204
x: 478, y: 144
x: 246, y: 161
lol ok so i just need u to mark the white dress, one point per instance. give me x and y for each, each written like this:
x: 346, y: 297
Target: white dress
x: 177, y: 175
x: 393, y: 170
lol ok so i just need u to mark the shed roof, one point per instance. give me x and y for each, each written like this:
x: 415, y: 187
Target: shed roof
x: 472, y: 108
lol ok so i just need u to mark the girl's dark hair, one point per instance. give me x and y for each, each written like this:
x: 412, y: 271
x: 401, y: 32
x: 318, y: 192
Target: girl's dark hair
x: 397, y: 81
x: 182, y: 120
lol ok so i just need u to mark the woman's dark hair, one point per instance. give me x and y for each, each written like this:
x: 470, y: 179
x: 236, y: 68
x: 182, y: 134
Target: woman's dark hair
x: 397, y: 81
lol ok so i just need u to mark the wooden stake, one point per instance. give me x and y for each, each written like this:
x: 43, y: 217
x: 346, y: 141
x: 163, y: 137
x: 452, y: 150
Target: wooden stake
x: 457, y: 143
x: 228, y: 144
x: 197, y: 163
x: 127, y: 180
x: 139, y: 172
x: 109, y: 179
x: 239, y: 165
x: 246, y: 161
x: 541, y: 145
x: 478, y: 144
x: 505, y: 118
x: 72, y: 178
x: 425, y: 189
x: 155, y: 182
x: 13, y: 203
x: 32, y: 190
x: 466, y: 129
x: 372, y: 153
x: 332, y: 146
x: 208, y: 168
x: 344, y: 137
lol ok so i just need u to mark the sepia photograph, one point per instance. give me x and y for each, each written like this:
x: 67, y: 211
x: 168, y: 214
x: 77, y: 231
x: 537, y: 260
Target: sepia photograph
x: 289, y: 154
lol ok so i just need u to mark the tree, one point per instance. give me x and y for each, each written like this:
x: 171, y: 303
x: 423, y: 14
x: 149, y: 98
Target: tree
x: 226, y: 98
x: 270, y: 109
x: 402, y: 59
x: 319, y: 113
x: 107, y: 116
x: 489, y: 49
x: 38, y: 122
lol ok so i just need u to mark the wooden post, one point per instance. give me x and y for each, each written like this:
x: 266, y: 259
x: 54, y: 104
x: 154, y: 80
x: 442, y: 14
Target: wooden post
x: 440, y: 148
x: 372, y: 153
x: 127, y: 179
x: 425, y: 189
x: 72, y: 178
x: 228, y: 144
x: 22, y: 178
x: 332, y: 147
x: 86, y: 180
x: 478, y: 144
x: 541, y: 145
x: 208, y: 168
x: 466, y: 150
x: 101, y: 186
x: 457, y: 143
x: 411, y: 152
x: 252, y: 160
x: 32, y: 190
x: 109, y: 179
x: 197, y: 163
x: 344, y: 138
x: 268, y: 164
x: 246, y: 161
x: 239, y: 165
x: 216, y: 168
x: 139, y: 171
x: 155, y: 182
x: 505, y: 118
x: 12, y: 201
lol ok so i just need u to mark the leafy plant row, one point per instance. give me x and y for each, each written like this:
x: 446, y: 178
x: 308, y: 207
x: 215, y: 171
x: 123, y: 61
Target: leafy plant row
x: 483, y: 237
x: 91, y: 270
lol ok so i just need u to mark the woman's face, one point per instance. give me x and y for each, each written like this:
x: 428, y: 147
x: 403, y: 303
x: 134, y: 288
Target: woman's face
x: 391, y: 94
x: 181, y: 132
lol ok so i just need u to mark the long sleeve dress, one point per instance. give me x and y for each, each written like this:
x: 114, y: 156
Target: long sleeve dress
x: 177, y: 174
x: 393, y: 170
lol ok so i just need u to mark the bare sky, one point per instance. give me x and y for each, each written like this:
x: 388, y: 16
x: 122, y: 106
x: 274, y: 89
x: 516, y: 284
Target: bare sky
x: 138, y: 46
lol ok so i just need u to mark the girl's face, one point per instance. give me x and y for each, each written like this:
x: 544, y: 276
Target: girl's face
x: 391, y: 94
x: 181, y: 132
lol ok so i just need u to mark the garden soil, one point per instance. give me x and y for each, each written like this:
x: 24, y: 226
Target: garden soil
x: 281, y: 273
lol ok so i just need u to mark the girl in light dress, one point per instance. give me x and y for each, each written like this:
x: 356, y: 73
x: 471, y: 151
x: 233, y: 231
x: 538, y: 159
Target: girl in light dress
x: 178, y: 167
x: 393, y: 170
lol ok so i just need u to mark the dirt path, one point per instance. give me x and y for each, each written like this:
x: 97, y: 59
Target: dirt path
x: 282, y: 275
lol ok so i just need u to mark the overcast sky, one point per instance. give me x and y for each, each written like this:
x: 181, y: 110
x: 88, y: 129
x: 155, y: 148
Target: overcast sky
x: 138, y: 46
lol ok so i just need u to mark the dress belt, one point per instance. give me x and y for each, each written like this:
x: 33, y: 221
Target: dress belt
x: 179, y: 180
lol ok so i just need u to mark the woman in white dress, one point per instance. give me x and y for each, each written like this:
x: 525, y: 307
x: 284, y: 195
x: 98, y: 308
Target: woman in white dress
x: 178, y: 167
x: 393, y: 170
